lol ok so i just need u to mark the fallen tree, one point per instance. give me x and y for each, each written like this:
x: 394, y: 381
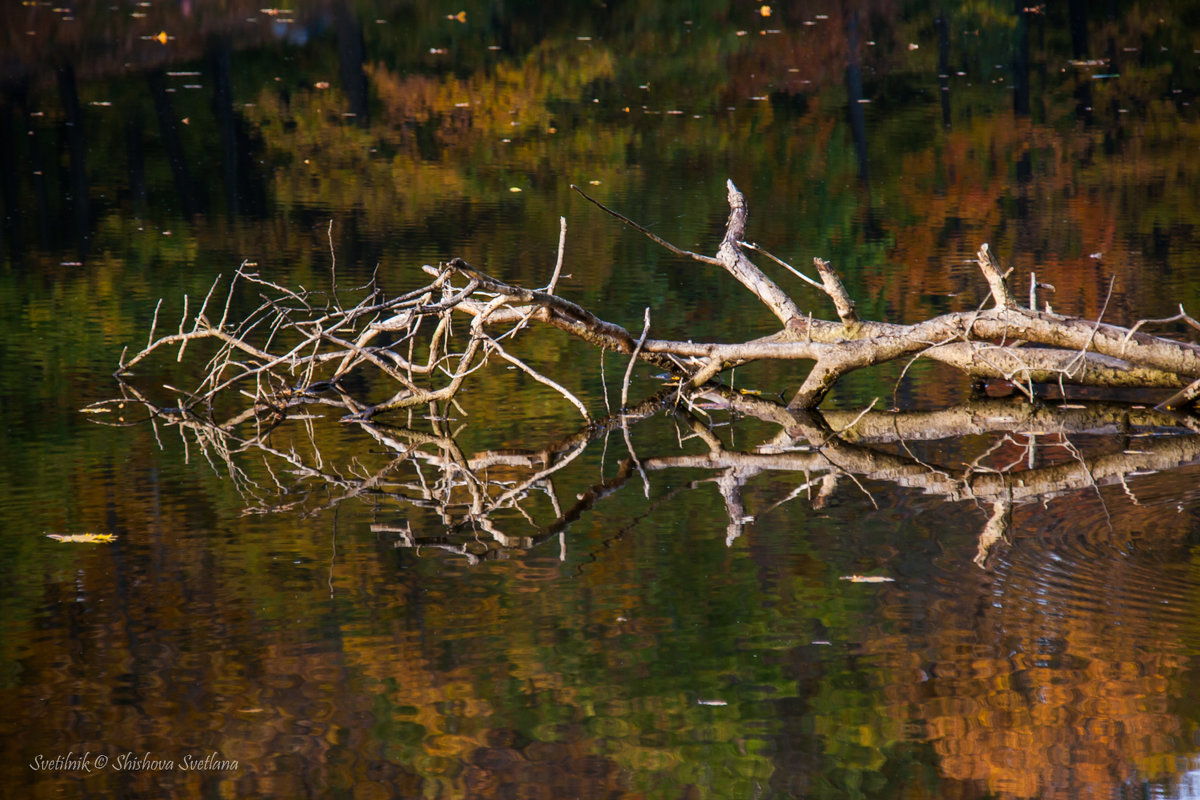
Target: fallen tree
x: 293, y: 348
x: 293, y: 354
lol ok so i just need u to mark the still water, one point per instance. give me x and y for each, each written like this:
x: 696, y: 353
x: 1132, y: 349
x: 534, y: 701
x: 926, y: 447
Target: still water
x: 632, y: 628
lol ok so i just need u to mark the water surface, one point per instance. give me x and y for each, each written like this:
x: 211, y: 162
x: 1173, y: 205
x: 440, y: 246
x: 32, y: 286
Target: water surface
x: 840, y: 640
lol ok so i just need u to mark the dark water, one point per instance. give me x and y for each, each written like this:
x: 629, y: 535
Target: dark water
x: 645, y: 637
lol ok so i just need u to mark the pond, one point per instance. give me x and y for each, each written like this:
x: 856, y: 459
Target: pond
x: 496, y: 597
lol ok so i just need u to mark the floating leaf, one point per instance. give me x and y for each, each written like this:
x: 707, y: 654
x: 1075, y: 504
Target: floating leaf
x: 83, y: 538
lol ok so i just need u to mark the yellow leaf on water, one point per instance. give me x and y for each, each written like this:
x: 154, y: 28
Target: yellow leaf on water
x: 83, y: 538
x: 867, y: 579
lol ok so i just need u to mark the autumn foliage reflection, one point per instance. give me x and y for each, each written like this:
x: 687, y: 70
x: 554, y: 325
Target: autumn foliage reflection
x: 1012, y: 695
x: 1054, y: 668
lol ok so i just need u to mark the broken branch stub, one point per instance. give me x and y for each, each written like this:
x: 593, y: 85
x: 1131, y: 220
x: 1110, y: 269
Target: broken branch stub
x: 995, y: 278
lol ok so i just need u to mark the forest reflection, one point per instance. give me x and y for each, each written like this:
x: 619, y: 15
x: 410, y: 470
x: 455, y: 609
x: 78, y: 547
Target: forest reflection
x: 1044, y: 664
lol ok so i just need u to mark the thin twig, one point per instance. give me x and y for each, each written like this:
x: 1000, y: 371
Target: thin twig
x: 558, y: 264
x: 633, y: 455
x: 604, y: 383
x: 537, y: 376
x: 333, y: 269
x: 656, y: 239
x: 783, y: 264
x: 1182, y: 316
x: 854, y: 421
x: 153, y: 324
x: 1092, y: 337
x: 633, y: 358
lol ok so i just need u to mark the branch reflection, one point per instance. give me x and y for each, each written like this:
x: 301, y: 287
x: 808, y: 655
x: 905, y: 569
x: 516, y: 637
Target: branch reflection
x: 994, y: 454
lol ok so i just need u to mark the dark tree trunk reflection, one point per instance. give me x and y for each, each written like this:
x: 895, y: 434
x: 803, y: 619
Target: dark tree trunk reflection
x: 77, y: 148
x: 351, y: 58
x: 185, y: 188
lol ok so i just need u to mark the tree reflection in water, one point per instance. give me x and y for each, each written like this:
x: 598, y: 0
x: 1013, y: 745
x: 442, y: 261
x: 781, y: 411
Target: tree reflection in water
x: 1017, y: 711
x: 654, y: 661
x: 1087, y: 446
x: 281, y: 410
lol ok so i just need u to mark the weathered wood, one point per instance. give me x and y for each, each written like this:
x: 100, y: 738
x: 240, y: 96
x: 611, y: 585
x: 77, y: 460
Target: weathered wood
x: 832, y: 283
x: 995, y: 278
x: 311, y: 348
x: 735, y: 262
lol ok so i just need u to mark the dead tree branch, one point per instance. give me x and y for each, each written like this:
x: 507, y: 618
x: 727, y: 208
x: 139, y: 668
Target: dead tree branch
x: 296, y: 356
x: 296, y: 346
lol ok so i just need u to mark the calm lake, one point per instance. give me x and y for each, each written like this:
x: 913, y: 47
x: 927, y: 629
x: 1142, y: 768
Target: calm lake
x: 494, y: 598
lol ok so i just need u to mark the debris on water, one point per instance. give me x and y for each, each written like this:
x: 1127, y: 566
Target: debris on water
x: 83, y: 538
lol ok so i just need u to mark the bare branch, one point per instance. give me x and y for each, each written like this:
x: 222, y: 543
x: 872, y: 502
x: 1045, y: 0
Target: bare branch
x: 833, y: 286
x: 537, y: 376
x: 784, y: 264
x: 558, y: 263
x: 291, y: 350
x: 732, y: 258
x: 633, y: 358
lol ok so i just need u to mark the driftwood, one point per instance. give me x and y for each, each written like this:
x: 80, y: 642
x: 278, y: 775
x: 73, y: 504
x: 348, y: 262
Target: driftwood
x: 292, y: 347
x: 288, y: 360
